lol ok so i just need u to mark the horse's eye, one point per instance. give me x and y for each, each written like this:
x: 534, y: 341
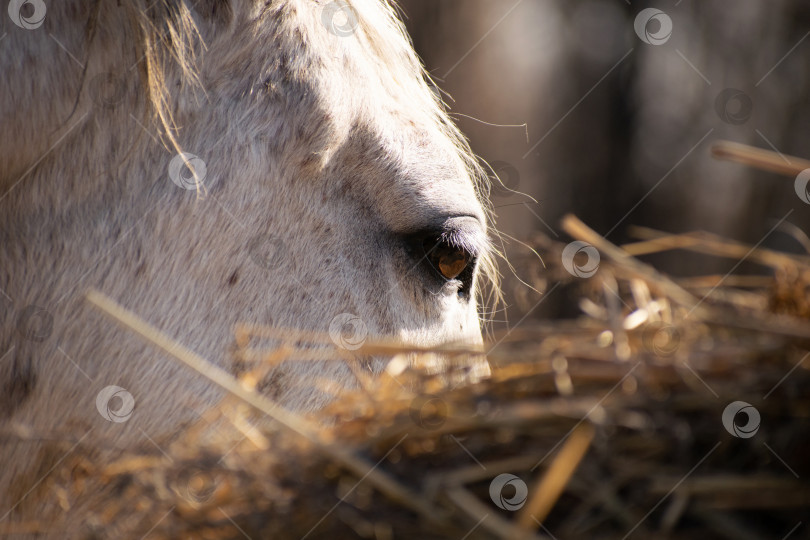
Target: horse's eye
x: 448, y: 253
x: 449, y: 260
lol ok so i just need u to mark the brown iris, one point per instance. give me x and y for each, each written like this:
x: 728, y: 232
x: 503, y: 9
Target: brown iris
x: 450, y: 261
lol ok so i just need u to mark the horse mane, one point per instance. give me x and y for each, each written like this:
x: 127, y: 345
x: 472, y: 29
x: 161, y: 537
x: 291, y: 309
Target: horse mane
x: 169, y: 37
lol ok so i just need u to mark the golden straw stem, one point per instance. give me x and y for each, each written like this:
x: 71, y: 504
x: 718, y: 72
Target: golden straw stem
x: 551, y: 485
x: 760, y: 158
x: 709, y: 244
x: 292, y: 422
x: 577, y: 229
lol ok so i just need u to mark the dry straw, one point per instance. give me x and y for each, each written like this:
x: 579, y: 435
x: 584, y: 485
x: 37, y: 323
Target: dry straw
x: 614, y: 421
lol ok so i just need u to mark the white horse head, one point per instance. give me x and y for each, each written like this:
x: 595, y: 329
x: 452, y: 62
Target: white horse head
x: 210, y: 162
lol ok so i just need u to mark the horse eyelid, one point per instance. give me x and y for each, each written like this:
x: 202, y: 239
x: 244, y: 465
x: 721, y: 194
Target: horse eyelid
x: 429, y: 245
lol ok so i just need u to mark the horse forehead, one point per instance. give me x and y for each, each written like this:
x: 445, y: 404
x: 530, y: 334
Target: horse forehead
x: 368, y: 122
x: 369, y: 74
x: 365, y: 91
x: 403, y: 177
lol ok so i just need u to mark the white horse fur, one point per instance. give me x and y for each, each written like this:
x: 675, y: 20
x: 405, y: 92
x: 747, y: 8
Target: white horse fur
x: 322, y: 156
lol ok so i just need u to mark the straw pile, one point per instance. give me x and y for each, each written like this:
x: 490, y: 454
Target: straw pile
x: 612, y: 425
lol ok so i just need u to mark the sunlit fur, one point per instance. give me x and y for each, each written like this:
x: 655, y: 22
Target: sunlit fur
x: 333, y: 145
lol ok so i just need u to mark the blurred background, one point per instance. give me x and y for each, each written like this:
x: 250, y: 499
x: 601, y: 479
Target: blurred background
x: 621, y: 107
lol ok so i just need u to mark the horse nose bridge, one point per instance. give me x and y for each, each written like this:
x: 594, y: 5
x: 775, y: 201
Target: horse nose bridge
x: 428, y: 196
x: 427, y: 184
x: 414, y: 168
